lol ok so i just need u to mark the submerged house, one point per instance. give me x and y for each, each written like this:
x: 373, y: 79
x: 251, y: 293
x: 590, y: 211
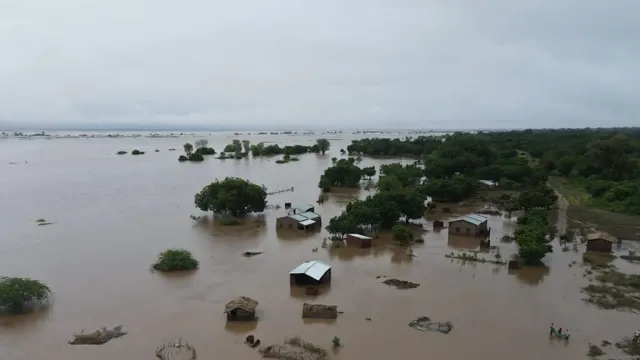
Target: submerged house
x: 357, y: 240
x: 241, y: 309
x: 310, y: 273
x: 302, y: 208
x: 301, y: 217
x: 600, y: 242
x: 469, y: 225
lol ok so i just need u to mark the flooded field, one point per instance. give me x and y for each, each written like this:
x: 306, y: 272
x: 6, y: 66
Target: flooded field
x: 111, y: 216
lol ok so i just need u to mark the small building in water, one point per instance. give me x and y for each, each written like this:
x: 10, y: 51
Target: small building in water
x: 300, y: 217
x: 241, y: 309
x: 469, y: 225
x: 302, y: 208
x: 310, y: 273
x: 357, y: 240
x: 600, y: 242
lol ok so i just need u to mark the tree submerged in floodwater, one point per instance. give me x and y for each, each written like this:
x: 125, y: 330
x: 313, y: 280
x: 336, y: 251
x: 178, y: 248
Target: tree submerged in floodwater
x: 16, y: 293
x: 175, y: 260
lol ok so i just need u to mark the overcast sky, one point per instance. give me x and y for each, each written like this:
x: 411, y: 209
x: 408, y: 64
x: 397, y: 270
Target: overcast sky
x: 320, y: 64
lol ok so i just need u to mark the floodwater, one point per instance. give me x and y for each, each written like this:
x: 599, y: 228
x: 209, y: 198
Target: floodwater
x: 113, y: 214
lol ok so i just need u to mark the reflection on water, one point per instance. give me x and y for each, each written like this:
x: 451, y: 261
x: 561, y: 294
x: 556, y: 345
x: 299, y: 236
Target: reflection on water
x: 26, y: 321
x: 241, y: 327
x: 463, y: 243
x: 531, y: 275
x: 326, y: 322
x: 300, y: 292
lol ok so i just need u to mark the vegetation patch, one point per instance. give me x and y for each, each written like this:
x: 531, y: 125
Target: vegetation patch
x: 198, y: 154
x: 175, y: 260
x: 401, y: 284
x: 402, y: 234
x: 16, y: 294
x: 613, y: 290
x: 474, y: 257
x: 287, y: 158
x: 137, y: 152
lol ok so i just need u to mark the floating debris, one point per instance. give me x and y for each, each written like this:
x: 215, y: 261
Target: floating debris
x: 423, y: 323
x: 318, y: 311
x: 176, y: 350
x: 401, y: 284
x: 97, y: 337
x: 294, y: 348
x: 251, y: 253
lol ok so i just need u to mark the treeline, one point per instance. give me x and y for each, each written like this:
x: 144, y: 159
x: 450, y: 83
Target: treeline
x: 604, y: 163
x: 240, y: 149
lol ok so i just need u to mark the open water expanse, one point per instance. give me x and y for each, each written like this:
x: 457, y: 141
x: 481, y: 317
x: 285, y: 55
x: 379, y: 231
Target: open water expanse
x: 113, y: 214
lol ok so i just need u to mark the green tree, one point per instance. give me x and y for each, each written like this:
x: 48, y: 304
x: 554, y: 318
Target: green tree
x: 531, y: 237
x: 258, y: 149
x: 175, y: 260
x: 235, y: 147
x: 402, y: 234
x: 323, y: 145
x: 16, y: 293
x: 389, y: 183
x: 188, y: 148
x: 408, y: 175
x: 233, y: 196
x: 343, y: 174
x: 540, y: 197
x: 409, y: 201
x: 369, y: 171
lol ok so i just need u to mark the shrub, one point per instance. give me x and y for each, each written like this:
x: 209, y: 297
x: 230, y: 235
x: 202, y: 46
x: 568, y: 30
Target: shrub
x: 137, y: 152
x: 205, y: 151
x: 402, y: 234
x: 121, y: 152
x: 195, y: 157
x: 15, y: 293
x: 175, y: 260
x: 183, y: 158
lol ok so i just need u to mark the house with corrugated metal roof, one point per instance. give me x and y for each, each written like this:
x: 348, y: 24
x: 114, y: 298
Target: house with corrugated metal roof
x: 310, y: 273
x: 469, y: 225
x: 301, y: 217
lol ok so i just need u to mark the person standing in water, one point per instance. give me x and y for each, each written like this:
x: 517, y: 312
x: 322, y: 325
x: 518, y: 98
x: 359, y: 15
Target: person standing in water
x: 567, y: 334
x: 551, y: 330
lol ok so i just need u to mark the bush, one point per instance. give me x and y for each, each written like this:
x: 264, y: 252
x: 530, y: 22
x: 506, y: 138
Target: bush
x: 205, y: 151
x: 15, y: 293
x: 175, y: 260
x: 183, y: 158
x: 137, y: 152
x: 195, y: 157
x: 121, y: 152
x: 402, y: 234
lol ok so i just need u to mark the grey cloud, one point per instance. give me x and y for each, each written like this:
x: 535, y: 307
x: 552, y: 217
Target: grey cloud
x: 405, y: 63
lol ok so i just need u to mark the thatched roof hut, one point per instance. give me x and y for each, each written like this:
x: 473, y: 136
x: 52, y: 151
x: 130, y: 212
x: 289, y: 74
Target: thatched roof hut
x: 241, y: 309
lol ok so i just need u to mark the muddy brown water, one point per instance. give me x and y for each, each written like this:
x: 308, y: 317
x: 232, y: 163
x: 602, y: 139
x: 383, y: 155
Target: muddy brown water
x: 113, y: 214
